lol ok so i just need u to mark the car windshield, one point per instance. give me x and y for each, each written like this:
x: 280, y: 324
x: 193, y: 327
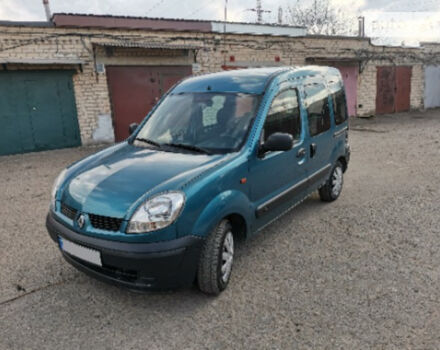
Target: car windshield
x: 206, y: 122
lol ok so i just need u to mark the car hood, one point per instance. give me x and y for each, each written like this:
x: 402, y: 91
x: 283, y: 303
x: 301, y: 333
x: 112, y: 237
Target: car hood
x: 110, y: 184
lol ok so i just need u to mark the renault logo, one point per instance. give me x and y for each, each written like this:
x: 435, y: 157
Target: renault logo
x: 81, y: 221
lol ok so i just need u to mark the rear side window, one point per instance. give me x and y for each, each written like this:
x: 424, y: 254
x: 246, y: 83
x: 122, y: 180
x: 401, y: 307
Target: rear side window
x: 318, y: 112
x: 339, y: 106
x: 284, y: 115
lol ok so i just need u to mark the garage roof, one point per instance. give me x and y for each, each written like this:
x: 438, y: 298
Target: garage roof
x: 174, y: 24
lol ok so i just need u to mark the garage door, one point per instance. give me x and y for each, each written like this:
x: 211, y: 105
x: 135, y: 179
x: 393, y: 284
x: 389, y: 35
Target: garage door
x: 393, y: 89
x: 350, y: 72
x: 38, y: 111
x: 350, y: 78
x: 432, y: 86
x: 135, y: 90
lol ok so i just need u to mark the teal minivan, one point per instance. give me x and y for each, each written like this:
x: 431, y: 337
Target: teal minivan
x: 219, y: 157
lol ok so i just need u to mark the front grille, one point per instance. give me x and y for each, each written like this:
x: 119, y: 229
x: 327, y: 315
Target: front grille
x: 68, y: 211
x: 105, y: 222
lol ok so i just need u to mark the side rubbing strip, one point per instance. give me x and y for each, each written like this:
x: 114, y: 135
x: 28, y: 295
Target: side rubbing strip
x: 291, y: 191
x: 318, y: 175
x: 280, y: 198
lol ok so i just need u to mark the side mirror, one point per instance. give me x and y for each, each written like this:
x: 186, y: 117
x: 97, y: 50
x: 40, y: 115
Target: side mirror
x: 278, y: 141
x: 132, y: 127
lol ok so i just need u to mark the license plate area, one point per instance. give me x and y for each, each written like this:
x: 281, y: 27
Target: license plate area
x: 87, y: 254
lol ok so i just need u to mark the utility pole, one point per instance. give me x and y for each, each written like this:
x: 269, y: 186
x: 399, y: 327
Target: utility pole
x: 259, y: 10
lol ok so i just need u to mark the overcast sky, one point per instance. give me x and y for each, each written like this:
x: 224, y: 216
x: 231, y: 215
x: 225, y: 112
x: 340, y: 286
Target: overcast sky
x: 200, y: 9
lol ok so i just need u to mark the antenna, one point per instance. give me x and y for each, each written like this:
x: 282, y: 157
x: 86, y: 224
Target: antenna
x: 259, y: 10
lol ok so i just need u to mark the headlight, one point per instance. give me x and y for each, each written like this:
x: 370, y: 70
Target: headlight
x: 157, y: 212
x: 55, y: 187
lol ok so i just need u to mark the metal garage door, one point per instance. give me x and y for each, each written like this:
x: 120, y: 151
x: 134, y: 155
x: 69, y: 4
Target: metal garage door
x: 350, y: 78
x: 393, y: 89
x: 37, y: 111
x: 432, y: 86
x: 135, y: 90
x: 350, y: 72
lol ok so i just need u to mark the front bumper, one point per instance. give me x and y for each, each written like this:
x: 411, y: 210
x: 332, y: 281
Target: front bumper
x: 140, y: 266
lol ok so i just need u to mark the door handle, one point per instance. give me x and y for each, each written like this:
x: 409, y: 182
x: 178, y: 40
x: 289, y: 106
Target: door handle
x: 312, y: 150
x: 301, y: 153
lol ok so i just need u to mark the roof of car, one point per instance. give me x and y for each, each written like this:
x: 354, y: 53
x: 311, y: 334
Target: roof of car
x: 251, y: 81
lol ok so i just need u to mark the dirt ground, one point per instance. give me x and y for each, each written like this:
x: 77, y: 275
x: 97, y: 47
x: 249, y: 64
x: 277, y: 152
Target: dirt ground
x: 360, y: 273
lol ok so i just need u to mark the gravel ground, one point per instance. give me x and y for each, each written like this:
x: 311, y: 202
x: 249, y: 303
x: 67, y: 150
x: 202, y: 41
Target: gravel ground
x: 359, y: 273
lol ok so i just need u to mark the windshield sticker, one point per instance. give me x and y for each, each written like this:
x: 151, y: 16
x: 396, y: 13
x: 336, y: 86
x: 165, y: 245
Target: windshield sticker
x: 210, y: 112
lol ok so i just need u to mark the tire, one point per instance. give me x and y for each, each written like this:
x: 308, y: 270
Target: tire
x: 210, y: 277
x: 333, y: 186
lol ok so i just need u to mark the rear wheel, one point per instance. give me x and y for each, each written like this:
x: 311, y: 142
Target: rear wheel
x: 333, y: 186
x: 215, y: 265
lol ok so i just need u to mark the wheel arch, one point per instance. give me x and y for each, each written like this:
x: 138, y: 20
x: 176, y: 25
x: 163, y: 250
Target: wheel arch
x: 231, y: 205
x: 344, y: 163
x: 239, y: 225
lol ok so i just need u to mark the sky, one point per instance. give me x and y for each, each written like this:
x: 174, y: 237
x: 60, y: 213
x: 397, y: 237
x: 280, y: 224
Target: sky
x: 196, y: 9
x: 32, y: 10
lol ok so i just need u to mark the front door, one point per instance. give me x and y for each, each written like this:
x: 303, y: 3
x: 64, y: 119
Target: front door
x: 277, y: 178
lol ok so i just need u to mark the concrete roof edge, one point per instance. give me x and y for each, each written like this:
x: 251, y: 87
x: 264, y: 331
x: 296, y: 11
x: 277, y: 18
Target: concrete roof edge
x: 26, y: 24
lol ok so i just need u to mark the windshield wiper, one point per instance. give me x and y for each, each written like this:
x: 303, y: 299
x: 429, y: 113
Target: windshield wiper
x: 151, y: 142
x: 188, y: 147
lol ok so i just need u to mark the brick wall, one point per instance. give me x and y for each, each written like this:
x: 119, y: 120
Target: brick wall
x: 417, y: 87
x: 91, y: 91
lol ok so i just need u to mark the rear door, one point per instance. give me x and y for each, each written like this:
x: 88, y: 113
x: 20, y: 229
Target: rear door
x: 276, y: 177
x: 320, y: 129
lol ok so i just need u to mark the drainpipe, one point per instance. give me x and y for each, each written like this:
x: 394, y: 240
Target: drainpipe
x: 47, y: 10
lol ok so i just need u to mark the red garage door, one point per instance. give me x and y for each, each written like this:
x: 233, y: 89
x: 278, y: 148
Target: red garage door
x: 134, y: 91
x: 393, y: 89
x: 403, y: 88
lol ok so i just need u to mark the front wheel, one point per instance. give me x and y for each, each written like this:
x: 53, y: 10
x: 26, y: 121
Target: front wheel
x: 333, y: 186
x: 215, y: 265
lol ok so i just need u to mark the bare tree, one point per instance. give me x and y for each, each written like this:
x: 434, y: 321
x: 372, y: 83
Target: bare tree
x: 321, y: 17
